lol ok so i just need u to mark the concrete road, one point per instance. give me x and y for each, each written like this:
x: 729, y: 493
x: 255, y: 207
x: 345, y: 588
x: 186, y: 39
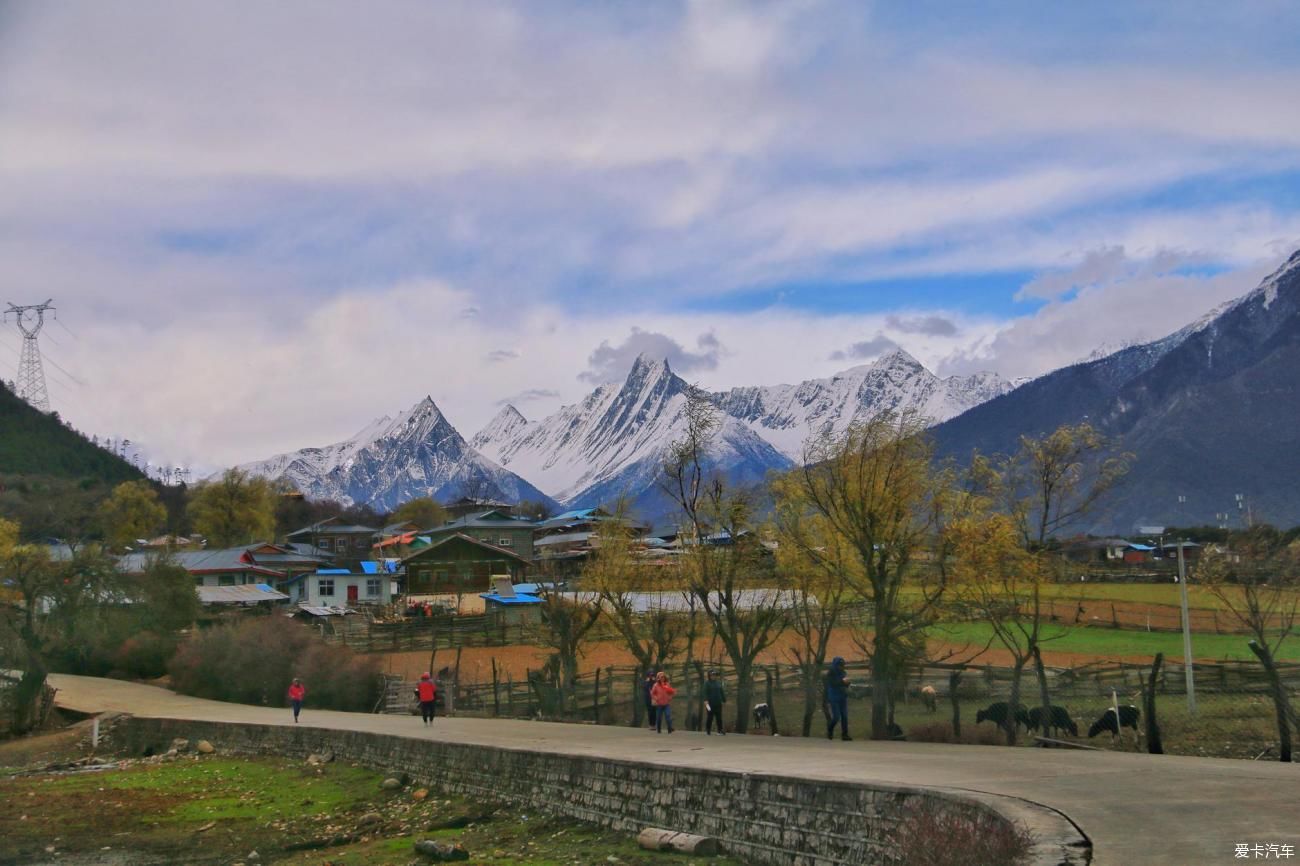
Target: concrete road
x: 1136, y: 809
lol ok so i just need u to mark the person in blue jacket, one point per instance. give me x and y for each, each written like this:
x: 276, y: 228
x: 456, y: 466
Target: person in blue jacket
x: 837, y: 698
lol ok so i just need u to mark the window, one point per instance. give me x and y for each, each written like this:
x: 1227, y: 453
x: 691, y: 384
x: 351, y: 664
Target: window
x: 323, y: 544
x: 374, y: 586
x: 198, y: 580
x: 226, y: 580
x: 341, y: 545
x: 504, y: 542
x: 360, y: 542
x: 326, y: 587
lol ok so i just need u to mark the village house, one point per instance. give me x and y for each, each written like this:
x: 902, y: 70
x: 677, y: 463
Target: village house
x: 459, y: 564
x: 338, y: 587
x: 564, y: 543
x: 333, y: 537
x: 497, y: 528
x: 468, y: 505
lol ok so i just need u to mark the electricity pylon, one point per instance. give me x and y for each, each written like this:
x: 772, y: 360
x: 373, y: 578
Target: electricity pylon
x: 31, y: 376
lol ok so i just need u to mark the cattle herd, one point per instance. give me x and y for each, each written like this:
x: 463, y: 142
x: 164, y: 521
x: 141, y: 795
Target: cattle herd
x: 1058, y: 719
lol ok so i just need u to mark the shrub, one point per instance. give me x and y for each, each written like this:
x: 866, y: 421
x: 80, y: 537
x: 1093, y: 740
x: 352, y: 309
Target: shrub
x: 253, y: 662
x: 934, y: 833
x: 145, y: 655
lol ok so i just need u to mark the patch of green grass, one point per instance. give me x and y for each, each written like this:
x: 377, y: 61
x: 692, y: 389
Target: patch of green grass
x: 1119, y: 642
x: 272, y: 804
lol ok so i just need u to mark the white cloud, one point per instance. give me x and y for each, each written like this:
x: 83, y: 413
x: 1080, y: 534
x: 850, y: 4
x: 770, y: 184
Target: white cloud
x: 268, y: 226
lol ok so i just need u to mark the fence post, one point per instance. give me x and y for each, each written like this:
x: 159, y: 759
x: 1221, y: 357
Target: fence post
x: 595, y: 699
x: 771, y: 704
x: 609, y: 694
x: 954, y: 681
x: 496, y: 695
x: 1154, y: 746
x: 510, y: 693
x: 637, y: 699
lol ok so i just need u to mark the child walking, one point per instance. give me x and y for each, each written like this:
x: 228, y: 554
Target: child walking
x: 427, y: 693
x: 297, y: 691
x: 662, y: 697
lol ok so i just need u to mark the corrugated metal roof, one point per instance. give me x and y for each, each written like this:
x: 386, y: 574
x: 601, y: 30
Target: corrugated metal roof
x: 247, y: 594
x: 563, y: 538
x: 319, y: 610
x: 463, y: 537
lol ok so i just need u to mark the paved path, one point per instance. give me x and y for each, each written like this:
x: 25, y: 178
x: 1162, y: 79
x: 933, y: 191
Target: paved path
x: 1136, y: 809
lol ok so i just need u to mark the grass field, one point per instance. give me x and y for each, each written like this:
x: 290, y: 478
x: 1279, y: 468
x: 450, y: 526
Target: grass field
x: 1120, y: 643
x: 217, y: 810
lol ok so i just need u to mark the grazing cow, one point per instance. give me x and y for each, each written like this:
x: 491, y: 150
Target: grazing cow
x: 1058, y: 721
x: 930, y: 698
x: 1128, y: 718
x: 762, y: 714
x: 997, y: 713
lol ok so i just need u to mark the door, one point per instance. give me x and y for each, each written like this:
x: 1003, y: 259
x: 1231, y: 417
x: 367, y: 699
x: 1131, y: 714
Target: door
x: 352, y: 593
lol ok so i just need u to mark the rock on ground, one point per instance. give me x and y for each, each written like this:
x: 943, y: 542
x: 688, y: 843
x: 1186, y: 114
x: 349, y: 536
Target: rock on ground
x: 441, y: 852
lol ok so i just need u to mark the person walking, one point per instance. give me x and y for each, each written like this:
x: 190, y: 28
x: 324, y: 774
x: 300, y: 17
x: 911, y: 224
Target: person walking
x: 297, y: 691
x: 662, y: 697
x: 427, y: 693
x: 647, y: 685
x: 714, y: 697
x: 837, y: 696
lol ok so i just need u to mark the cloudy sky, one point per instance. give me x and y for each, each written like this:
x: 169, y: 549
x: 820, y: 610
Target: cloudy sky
x: 264, y: 225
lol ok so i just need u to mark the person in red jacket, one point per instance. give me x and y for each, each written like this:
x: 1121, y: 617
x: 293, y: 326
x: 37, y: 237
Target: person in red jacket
x: 297, y: 691
x: 427, y: 692
x: 661, y: 695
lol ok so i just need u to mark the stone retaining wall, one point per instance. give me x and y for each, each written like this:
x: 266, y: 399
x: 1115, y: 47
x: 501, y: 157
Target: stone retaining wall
x: 763, y: 819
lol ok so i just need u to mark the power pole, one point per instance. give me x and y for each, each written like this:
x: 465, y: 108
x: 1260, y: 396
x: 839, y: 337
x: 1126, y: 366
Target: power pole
x: 1189, y: 677
x: 31, y: 376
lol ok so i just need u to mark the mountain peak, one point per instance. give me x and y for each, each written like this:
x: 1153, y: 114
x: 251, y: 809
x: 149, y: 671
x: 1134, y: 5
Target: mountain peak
x: 897, y: 357
x: 509, y: 413
x: 647, y: 363
x: 646, y: 369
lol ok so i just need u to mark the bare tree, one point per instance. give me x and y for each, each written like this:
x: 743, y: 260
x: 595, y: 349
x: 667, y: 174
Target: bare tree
x: 1258, y: 582
x: 566, y: 622
x: 723, y: 564
x: 642, y: 600
x: 1048, y: 484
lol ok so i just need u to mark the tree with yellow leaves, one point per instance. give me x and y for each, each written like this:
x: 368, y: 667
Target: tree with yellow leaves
x: 876, y: 500
x: 132, y: 511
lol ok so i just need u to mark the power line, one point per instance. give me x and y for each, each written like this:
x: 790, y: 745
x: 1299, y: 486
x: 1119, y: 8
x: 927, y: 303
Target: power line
x: 56, y: 366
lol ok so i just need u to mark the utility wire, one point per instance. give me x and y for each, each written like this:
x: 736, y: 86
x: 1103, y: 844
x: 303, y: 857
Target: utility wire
x: 56, y: 366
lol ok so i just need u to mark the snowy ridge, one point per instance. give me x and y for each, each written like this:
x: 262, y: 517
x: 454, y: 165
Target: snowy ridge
x: 417, y: 454
x: 787, y: 416
x: 615, y: 440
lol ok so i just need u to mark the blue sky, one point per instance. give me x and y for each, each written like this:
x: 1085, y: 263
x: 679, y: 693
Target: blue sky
x: 267, y: 224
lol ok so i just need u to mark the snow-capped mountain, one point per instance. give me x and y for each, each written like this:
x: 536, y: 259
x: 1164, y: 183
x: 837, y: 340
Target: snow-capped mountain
x: 1209, y: 412
x: 418, y: 453
x: 614, y: 441
x: 502, y: 428
x: 786, y: 416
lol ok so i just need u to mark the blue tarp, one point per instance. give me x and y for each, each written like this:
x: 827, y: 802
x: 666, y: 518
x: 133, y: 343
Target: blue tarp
x: 520, y: 598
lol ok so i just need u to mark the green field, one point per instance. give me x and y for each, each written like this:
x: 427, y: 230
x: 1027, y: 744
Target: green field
x: 1120, y: 642
x: 216, y: 810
